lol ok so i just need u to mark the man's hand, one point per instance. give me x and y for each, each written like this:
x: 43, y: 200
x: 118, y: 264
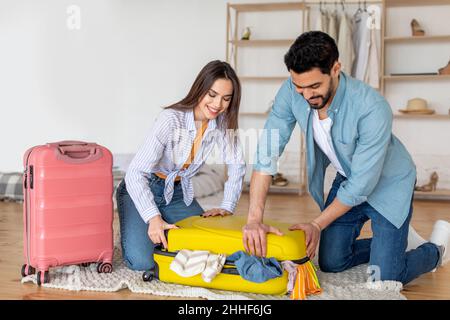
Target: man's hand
x: 312, y: 231
x: 156, y: 230
x: 255, y: 238
x: 216, y: 212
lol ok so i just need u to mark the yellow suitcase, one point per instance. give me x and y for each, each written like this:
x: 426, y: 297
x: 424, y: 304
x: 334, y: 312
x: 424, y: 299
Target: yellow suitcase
x: 223, y: 235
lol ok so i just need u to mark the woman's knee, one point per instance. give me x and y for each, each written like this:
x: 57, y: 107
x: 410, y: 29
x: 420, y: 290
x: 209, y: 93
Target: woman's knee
x: 137, y: 250
x: 121, y: 193
x: 138, y: 262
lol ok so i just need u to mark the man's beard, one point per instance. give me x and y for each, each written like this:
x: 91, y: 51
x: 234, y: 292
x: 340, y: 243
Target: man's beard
x: 325, y: 98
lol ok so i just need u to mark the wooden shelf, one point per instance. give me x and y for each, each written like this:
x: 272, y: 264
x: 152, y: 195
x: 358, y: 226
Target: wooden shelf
x: 262, y: 43
x: 234, y: 46
x: 440, y: 194
x: 412, y: 3
x: 417, y: 77
x: 256, y: 78
x: 422, y: 117
x: 259, y: 7
x: 418, y: 38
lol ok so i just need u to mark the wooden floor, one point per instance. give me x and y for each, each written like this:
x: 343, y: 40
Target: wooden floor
x: 286, y: 208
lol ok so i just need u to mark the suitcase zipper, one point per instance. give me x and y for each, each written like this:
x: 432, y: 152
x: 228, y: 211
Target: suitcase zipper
x: 27, y: 204
x: 31, y: 177
x: 233, y: 270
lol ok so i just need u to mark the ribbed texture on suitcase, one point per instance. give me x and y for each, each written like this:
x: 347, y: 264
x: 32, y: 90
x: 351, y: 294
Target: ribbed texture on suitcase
x: 68, y: 213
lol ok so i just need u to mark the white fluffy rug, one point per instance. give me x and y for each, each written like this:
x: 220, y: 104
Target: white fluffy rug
x: 348, y: 285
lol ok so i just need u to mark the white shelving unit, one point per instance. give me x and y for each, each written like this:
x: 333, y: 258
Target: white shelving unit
x: 387, y: 79
x: 233, y: 46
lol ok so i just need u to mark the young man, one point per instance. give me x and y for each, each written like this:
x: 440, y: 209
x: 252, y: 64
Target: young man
x: 348, y: 124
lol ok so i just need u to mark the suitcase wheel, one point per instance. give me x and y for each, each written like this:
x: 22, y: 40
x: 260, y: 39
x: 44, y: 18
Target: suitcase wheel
x: 27, y: 270
x: 42, y: 277
x: 104, y: 267
x: 148, y: 275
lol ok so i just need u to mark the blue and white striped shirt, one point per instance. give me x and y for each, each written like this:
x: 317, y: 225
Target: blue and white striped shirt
x: 166, y: 149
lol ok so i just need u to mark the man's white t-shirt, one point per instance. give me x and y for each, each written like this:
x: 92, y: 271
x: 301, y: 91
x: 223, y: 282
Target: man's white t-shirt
x: 322, y: 136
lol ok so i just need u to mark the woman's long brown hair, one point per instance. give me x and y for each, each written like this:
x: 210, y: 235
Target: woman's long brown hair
x: 213, y: 71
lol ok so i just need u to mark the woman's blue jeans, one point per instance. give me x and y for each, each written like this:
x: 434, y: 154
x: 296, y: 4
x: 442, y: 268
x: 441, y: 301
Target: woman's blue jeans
x: 137, y: 248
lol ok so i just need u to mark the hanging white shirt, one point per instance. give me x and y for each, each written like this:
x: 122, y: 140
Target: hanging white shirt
x: 345, y: 44
x: 333, y: 26
x: 367, y: 43
x: 319, y: 23
x: 372, y: 76
x: 322, y: 136
x: 361, y: 41
x: 307, y: 21
x: 325, y: 16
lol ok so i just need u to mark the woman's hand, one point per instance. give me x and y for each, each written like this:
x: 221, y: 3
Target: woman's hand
x: 156, y: 230
x: 216, y: 212
x: 312, y: 231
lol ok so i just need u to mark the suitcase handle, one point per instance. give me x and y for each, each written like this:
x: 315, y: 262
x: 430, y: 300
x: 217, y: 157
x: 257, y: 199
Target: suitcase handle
x: 67, y: 143
x: 70, y: 143
x: 76, y: 151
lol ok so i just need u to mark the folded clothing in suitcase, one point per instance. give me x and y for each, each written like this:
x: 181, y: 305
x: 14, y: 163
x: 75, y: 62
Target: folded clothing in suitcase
x: 223, y: 235
x: 68, y: 207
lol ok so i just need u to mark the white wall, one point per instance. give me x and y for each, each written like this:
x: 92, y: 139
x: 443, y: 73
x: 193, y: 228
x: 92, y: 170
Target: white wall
x: 107, y: 81
x: 104, y: 82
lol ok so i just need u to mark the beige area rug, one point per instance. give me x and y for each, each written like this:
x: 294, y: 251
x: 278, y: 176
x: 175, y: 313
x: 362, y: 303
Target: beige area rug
x: 347, y: 285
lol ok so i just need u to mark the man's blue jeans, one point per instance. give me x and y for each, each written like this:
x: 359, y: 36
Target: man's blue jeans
x: 385, y: 251
x: 137, y: 248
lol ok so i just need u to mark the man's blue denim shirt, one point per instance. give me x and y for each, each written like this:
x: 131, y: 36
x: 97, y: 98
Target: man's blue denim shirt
x: 378, y: 167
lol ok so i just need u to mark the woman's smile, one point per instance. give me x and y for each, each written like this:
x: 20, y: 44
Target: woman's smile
x: 213, y: 111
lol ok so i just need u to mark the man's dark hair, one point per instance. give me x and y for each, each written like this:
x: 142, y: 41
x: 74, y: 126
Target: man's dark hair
x: 313, y: 49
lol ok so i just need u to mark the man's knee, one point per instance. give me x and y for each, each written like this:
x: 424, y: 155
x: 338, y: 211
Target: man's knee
x: 333, y: 256
x: 332, y: 263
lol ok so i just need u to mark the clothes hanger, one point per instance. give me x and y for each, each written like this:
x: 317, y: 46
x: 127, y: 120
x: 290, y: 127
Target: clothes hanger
x: 358, y: 12
x: 343, y: 13
x: 359, y: 8
x: 322, y: 11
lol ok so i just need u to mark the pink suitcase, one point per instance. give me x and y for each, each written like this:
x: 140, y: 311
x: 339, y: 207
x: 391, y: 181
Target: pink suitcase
x: 68, y: 207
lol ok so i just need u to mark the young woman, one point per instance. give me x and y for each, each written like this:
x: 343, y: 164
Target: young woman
x: 157, y: 190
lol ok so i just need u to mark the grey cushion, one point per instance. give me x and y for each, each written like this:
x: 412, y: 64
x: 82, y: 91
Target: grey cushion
x: 11, y: 186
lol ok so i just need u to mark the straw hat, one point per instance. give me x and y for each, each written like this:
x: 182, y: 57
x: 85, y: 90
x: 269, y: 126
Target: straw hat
x: 417, y: 106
